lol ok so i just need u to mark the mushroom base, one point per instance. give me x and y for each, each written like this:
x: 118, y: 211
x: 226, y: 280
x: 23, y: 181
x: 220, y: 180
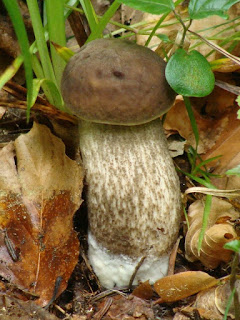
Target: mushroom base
x: 116, y: 270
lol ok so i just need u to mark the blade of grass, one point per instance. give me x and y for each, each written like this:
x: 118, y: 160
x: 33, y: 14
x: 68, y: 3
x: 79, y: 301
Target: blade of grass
x: 207, y: 208
x: 11, y: 71
x: 203, y: 163
x: 37, y: 83
x: 229, y: 303
x: 47, y: 86
x: 19, y: 27
x: 98, y: 30
x: 197, y: 179
x: 56, y: 30
x: 64, y: 52
x: 192, y: 120
x: 160, y: 21
x: 89, y: 13
x: 41, y: 45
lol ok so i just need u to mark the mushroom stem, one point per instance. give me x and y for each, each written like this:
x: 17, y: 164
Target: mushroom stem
x: 133, y: 200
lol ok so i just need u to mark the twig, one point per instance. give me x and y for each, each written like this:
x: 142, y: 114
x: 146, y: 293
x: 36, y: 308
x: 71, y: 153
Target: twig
x: 135, y: 272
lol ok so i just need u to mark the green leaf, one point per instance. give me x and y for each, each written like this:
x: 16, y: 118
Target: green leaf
x: 199, y: 9
x: 190, y: 74
x: 233, y: 245
x: 234, y: 171
x: 150, y: 6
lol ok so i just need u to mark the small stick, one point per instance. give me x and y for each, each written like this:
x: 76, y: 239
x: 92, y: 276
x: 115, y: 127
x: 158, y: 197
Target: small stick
x: 135, y: 272
x: 172, y: 258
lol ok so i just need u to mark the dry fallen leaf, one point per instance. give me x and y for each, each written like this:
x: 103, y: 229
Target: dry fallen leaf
x: 187, y: 313
x: 183, y: 284
x: 219, y: 122
x: 15, y: 309
x: 143, y: 291
x: 216, y: 299
x: 124, y: 307
x: 39, y: 195
x: 218, y: 232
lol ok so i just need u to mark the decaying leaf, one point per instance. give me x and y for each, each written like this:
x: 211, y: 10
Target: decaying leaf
x: 121, y: 307
x: 211, y: 304
x: 219, y: 123
x: 143, y: 291
x: 38, y: 198
x: 15, y: 309
x: 187, y: 313
x: 183, y: 284
x: 219, y: 231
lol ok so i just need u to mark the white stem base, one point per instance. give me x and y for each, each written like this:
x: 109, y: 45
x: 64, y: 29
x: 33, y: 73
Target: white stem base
x: 116, y: 270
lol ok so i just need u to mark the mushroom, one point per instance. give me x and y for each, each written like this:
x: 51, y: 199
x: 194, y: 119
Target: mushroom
x: 118, y: 90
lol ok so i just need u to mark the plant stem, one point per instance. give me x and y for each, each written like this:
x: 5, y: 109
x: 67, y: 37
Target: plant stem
x: 185, y: 28
x: 155, y: 28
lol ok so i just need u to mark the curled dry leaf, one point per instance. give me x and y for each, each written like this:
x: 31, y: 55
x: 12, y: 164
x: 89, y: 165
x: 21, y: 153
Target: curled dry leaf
x: 211, y: 303
x: 216, y: 299
x: 38, y: 198
x: 183, y: 284
x: 219, y: 231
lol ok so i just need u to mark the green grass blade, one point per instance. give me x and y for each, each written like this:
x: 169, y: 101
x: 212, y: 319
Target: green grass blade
x: 90, y: 14
x: 203, y: 163
x: 19, y: 27
x: 97, y: 32
x: 64, y: 52
x: 37, y: 83
x: 56, y: 31
x: 229, y: 303
x: 160, y: 21
x: 198, y: 180
x: 207, y: 208
x: 11, y: 71
x: 192, y: 119
x: 40, y: 40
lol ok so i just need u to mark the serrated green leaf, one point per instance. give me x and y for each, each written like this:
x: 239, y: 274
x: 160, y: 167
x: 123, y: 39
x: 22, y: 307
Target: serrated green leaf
x: 199, y: 9
x: 233, y: 245
x: 190, y: 74
x: 234, y: 171
x: 150, y: 6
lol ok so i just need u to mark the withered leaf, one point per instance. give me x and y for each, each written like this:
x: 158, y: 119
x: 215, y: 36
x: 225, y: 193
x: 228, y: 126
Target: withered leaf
x: 219, y: 231
x: 143, y: 291
x: 183, y: 284
x: 122, y: 307
x: 38, y: 198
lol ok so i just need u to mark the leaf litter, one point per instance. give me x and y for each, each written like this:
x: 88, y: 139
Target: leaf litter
x: 40, y: 192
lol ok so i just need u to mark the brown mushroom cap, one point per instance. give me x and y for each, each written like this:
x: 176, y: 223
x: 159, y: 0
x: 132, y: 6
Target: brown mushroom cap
x: 117, y: 82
